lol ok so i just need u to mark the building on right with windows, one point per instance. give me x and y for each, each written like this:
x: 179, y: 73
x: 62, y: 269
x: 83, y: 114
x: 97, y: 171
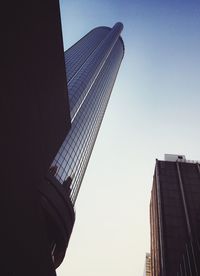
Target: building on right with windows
x: 175, y: 217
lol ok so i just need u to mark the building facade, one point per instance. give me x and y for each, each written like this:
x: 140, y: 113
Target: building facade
x: 147, y: 267
x: 175, y: 217
x: 33, y: 84
x: 92, y: 65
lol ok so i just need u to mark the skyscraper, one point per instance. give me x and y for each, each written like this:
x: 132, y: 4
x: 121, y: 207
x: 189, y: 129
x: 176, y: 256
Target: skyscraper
x: 92, y: 65
x: 175, y: 217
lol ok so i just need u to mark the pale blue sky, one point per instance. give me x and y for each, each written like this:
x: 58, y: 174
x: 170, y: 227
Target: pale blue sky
x: 154, y: 109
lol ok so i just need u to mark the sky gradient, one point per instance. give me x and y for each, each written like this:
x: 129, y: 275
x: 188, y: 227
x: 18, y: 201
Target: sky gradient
x: 154, y: 109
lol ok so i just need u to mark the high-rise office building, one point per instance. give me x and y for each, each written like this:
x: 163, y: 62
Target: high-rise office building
x: 92, y: 65
x: 175, y: 217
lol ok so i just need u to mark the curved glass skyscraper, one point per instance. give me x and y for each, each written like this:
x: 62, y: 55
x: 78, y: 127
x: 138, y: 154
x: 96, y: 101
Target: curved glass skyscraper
x: 92, y: 65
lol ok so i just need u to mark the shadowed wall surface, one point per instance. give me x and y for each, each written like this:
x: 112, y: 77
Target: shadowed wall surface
x: 34, y: 121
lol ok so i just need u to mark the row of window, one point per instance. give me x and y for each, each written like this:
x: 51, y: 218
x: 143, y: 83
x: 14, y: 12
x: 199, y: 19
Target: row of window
x: 75, y: 152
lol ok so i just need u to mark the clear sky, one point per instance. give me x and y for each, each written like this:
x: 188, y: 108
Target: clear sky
x: 154, y: 109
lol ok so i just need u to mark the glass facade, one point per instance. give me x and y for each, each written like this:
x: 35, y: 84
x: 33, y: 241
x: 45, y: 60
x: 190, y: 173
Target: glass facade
x: 92, y: 65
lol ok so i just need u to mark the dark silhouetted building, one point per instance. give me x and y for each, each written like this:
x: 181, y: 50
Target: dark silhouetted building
x: 175, y: 217
x: 35, y: 119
